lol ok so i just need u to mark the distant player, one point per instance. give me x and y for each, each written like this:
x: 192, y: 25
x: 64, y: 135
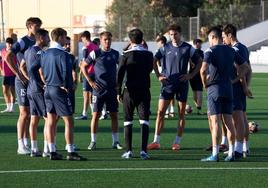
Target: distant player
x: 240, y: 91
x: 134, y: 69
x: 96, y: 41
x: 88, y: 46
x: 196, y: 82
x: 161, y: 41
x: 216, y: 73
x: 8, y: 83
x: 56, y: 65
x: 67, y: 47
x: 21, y: 83
x: 35, y: 90
x: 105, y: 62
x: 174, y: 81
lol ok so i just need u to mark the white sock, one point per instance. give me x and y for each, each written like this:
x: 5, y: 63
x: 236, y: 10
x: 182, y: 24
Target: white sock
x: 26, y: 142
x: 231, y: 150
x: 11, y: 107
x: 70, y: 148
x: 223, y: 140
x: 34, y: 147
x: 156, y: 138
x: 52, y: 147
x: 93, y: 137
x: 177, y: 140
x: 84, y: 113
x: 46, y: 149
x: 103, y: 112
x: 215, y: 150
x: 167, y: 111
x: 171, y: 109
x: 239, y: 147
x: 245, y: 146
x: 115, y: 137
x: 20, y: 143
x: 8, y: 106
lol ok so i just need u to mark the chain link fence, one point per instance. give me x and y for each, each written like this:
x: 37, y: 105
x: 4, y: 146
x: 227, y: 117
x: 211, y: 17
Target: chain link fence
x: 242, y: 16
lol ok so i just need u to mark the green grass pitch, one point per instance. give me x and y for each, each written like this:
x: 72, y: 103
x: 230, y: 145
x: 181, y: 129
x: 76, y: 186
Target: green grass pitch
x: 166, y: 168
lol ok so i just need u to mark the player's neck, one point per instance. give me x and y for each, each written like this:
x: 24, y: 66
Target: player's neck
x: 234, y: 42
x: 176, y: 43
x: 31, y: 35
x: 39, y: 44
x: 105, y: 49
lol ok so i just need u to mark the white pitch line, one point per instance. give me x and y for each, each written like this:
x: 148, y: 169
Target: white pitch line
x: 128, y: 169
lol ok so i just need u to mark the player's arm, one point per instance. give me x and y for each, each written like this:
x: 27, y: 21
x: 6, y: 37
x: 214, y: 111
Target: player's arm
x: 242, y: 66
x: 74, y: 73
x: 42, y: 76
x: 83, y: 67
x: 23, y: 69
x: 245, y: 87
x: 197, y: 68
x: 1, y: 64
x: 36, y: 66
x: 155, y: 67
x: 158, y: 56
x: 203, y: 73
x: 249, y: 75
x: 197, y: 60
x: 120, y: 76
x: 16, y: 48
x: 204, y: 67
x: 11, y: 64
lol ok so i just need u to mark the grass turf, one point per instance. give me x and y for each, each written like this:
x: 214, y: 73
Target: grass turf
x: 105, y: 168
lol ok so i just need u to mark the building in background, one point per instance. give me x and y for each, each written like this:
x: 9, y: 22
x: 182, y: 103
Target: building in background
x: 74, y: 16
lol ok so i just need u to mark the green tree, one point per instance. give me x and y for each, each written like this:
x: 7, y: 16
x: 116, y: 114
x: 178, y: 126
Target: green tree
x: 241, y: 13
x: 152, y: 16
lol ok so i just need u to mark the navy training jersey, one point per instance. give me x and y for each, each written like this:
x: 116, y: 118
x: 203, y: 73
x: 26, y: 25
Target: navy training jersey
x: 105, y: 65
x: 176, y: 59
x: 220, y: 59
x: 242, y: 50
x: 22, y: 44
x: 32, y: 56
x: 201, y: 54
x: 57, y: 66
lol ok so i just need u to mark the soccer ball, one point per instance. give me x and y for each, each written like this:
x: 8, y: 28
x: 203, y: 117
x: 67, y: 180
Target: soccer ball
x: 253, y: 127
x: 188, y: 109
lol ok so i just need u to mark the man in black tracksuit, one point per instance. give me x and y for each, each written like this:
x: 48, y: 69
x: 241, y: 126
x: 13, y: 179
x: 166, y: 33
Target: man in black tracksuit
x: 134, y: 69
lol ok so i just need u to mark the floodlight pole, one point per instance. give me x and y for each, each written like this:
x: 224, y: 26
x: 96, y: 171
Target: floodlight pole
x: 2, y: 18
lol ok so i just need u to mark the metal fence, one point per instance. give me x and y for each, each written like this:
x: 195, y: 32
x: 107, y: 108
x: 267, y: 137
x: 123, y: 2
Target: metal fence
x: 242, y: 16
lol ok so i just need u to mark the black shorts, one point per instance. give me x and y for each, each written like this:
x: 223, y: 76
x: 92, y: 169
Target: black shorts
x: 9, y: 80
x: 196, y: 83
x: 86, y: 86
x: 58, y: 101
x: 109, y: 99
x: 37, y: 104
x: 21, y: 92
x: 179, y: 90
x: 136, y: 99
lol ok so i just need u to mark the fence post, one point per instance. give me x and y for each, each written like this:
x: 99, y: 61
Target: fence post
x: 262, y: 10
x: 154, y: 26
x: 231, y: 13
x: 120, y: 28
x: 198, y: 23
